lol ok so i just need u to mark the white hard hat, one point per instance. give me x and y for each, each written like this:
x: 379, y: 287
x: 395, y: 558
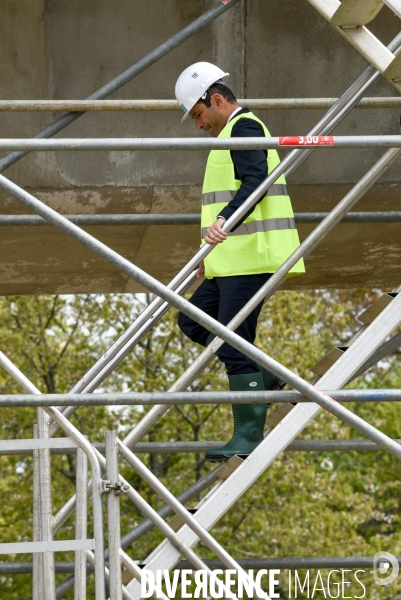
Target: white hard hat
x: 194, y: 82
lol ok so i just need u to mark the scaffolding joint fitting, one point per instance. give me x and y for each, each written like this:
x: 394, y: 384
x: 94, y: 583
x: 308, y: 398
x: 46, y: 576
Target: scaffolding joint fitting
x: 119, y: 488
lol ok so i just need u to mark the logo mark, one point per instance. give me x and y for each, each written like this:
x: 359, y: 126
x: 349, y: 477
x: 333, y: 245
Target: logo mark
x: 386, y: 564
x: 253, y: 383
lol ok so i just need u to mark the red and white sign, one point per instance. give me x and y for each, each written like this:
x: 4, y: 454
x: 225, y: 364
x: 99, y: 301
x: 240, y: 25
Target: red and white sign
x: 307, y: 140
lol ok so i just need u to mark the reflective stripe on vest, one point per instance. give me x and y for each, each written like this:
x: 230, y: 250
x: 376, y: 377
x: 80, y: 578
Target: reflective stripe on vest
x: 277, y: 189
x: 260, y: 226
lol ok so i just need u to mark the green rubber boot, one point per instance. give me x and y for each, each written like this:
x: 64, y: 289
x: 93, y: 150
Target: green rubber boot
x: 272, y: 382
x: 268, y: 378
x: 249, y: 420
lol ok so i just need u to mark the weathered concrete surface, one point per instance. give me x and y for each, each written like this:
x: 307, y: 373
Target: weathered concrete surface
x: 44, y: 260
x: 281, y: 48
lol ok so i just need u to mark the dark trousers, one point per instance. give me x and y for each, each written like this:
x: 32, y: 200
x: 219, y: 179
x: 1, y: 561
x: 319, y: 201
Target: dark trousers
x: 222, y: 298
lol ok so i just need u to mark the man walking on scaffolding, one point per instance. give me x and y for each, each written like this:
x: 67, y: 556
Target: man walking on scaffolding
x: 244, y: 259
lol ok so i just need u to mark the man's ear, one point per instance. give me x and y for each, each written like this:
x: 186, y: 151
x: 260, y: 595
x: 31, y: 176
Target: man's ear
x: 217, y: 100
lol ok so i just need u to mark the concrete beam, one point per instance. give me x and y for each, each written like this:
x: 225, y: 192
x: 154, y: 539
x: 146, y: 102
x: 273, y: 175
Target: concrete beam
x: 42, y: 260
x: 68, y: 48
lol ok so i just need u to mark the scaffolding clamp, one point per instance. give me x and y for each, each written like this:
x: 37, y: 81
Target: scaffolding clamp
x: 119, y: 488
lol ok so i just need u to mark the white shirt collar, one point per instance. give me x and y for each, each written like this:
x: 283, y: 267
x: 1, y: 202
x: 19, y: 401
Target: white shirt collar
x: 233, y: 114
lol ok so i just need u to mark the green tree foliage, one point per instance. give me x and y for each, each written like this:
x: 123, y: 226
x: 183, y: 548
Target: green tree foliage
x: 306, y: 504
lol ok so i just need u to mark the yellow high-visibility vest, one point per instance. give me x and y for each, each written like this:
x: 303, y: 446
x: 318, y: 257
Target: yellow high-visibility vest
x: 267, y: 237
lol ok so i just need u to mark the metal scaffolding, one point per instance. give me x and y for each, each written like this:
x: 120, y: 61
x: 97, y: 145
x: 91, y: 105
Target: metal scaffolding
x: 171, y: 105
x: 226, y: 483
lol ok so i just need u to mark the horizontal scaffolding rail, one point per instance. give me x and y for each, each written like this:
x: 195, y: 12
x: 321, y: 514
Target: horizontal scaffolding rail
x: 47, y: 546
x: 150, y: 398
x: 172, y: 105
x: 186, y: 219
x: 10, y: 447
x: 250, y: 143
x: 297, y: 446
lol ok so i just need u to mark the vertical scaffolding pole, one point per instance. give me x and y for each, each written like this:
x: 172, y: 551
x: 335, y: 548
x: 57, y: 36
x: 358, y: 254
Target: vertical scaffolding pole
x: 37, y: 558
x: 45, y: 495
x: 113, y: 516
x: 81, y: 521
x: 92, y: 455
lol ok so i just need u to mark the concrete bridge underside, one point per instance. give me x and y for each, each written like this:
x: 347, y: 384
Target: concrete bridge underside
x: 66, y: 49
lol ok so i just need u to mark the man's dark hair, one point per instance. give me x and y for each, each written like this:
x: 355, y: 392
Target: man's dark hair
x: 218, y: 88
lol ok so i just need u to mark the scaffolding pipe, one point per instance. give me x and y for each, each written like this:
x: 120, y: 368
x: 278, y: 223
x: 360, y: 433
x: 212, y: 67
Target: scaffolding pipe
x: 172, y: 105
x: 271, y: 286
x: 107, y: 219
x: 123, y: 345
x: 137, y: 572
x: 198, y: 143
x: 195, y: 489
x: 113, y: 516
x: 188, y: 219
x: 125, y: 592
x: 322, y: 562
x: 94, y: 244
x: 87, y: 447
x: 358, y: 84
x: 127, y: 75
x: 182, y: 512
x: 388, y: 348
x: 198, y: 447
x: 37, y: 558
x: 148, y: 318
x: 168, y: 398
x: 224, y: 333
x: 146, y: 525
x: 45, y: 499
x: 144, y: 508
x: 212, y: 325
x: 297, y: 446
x: 81, y: 522
x: 356, y: 217
x: 120, y: 348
